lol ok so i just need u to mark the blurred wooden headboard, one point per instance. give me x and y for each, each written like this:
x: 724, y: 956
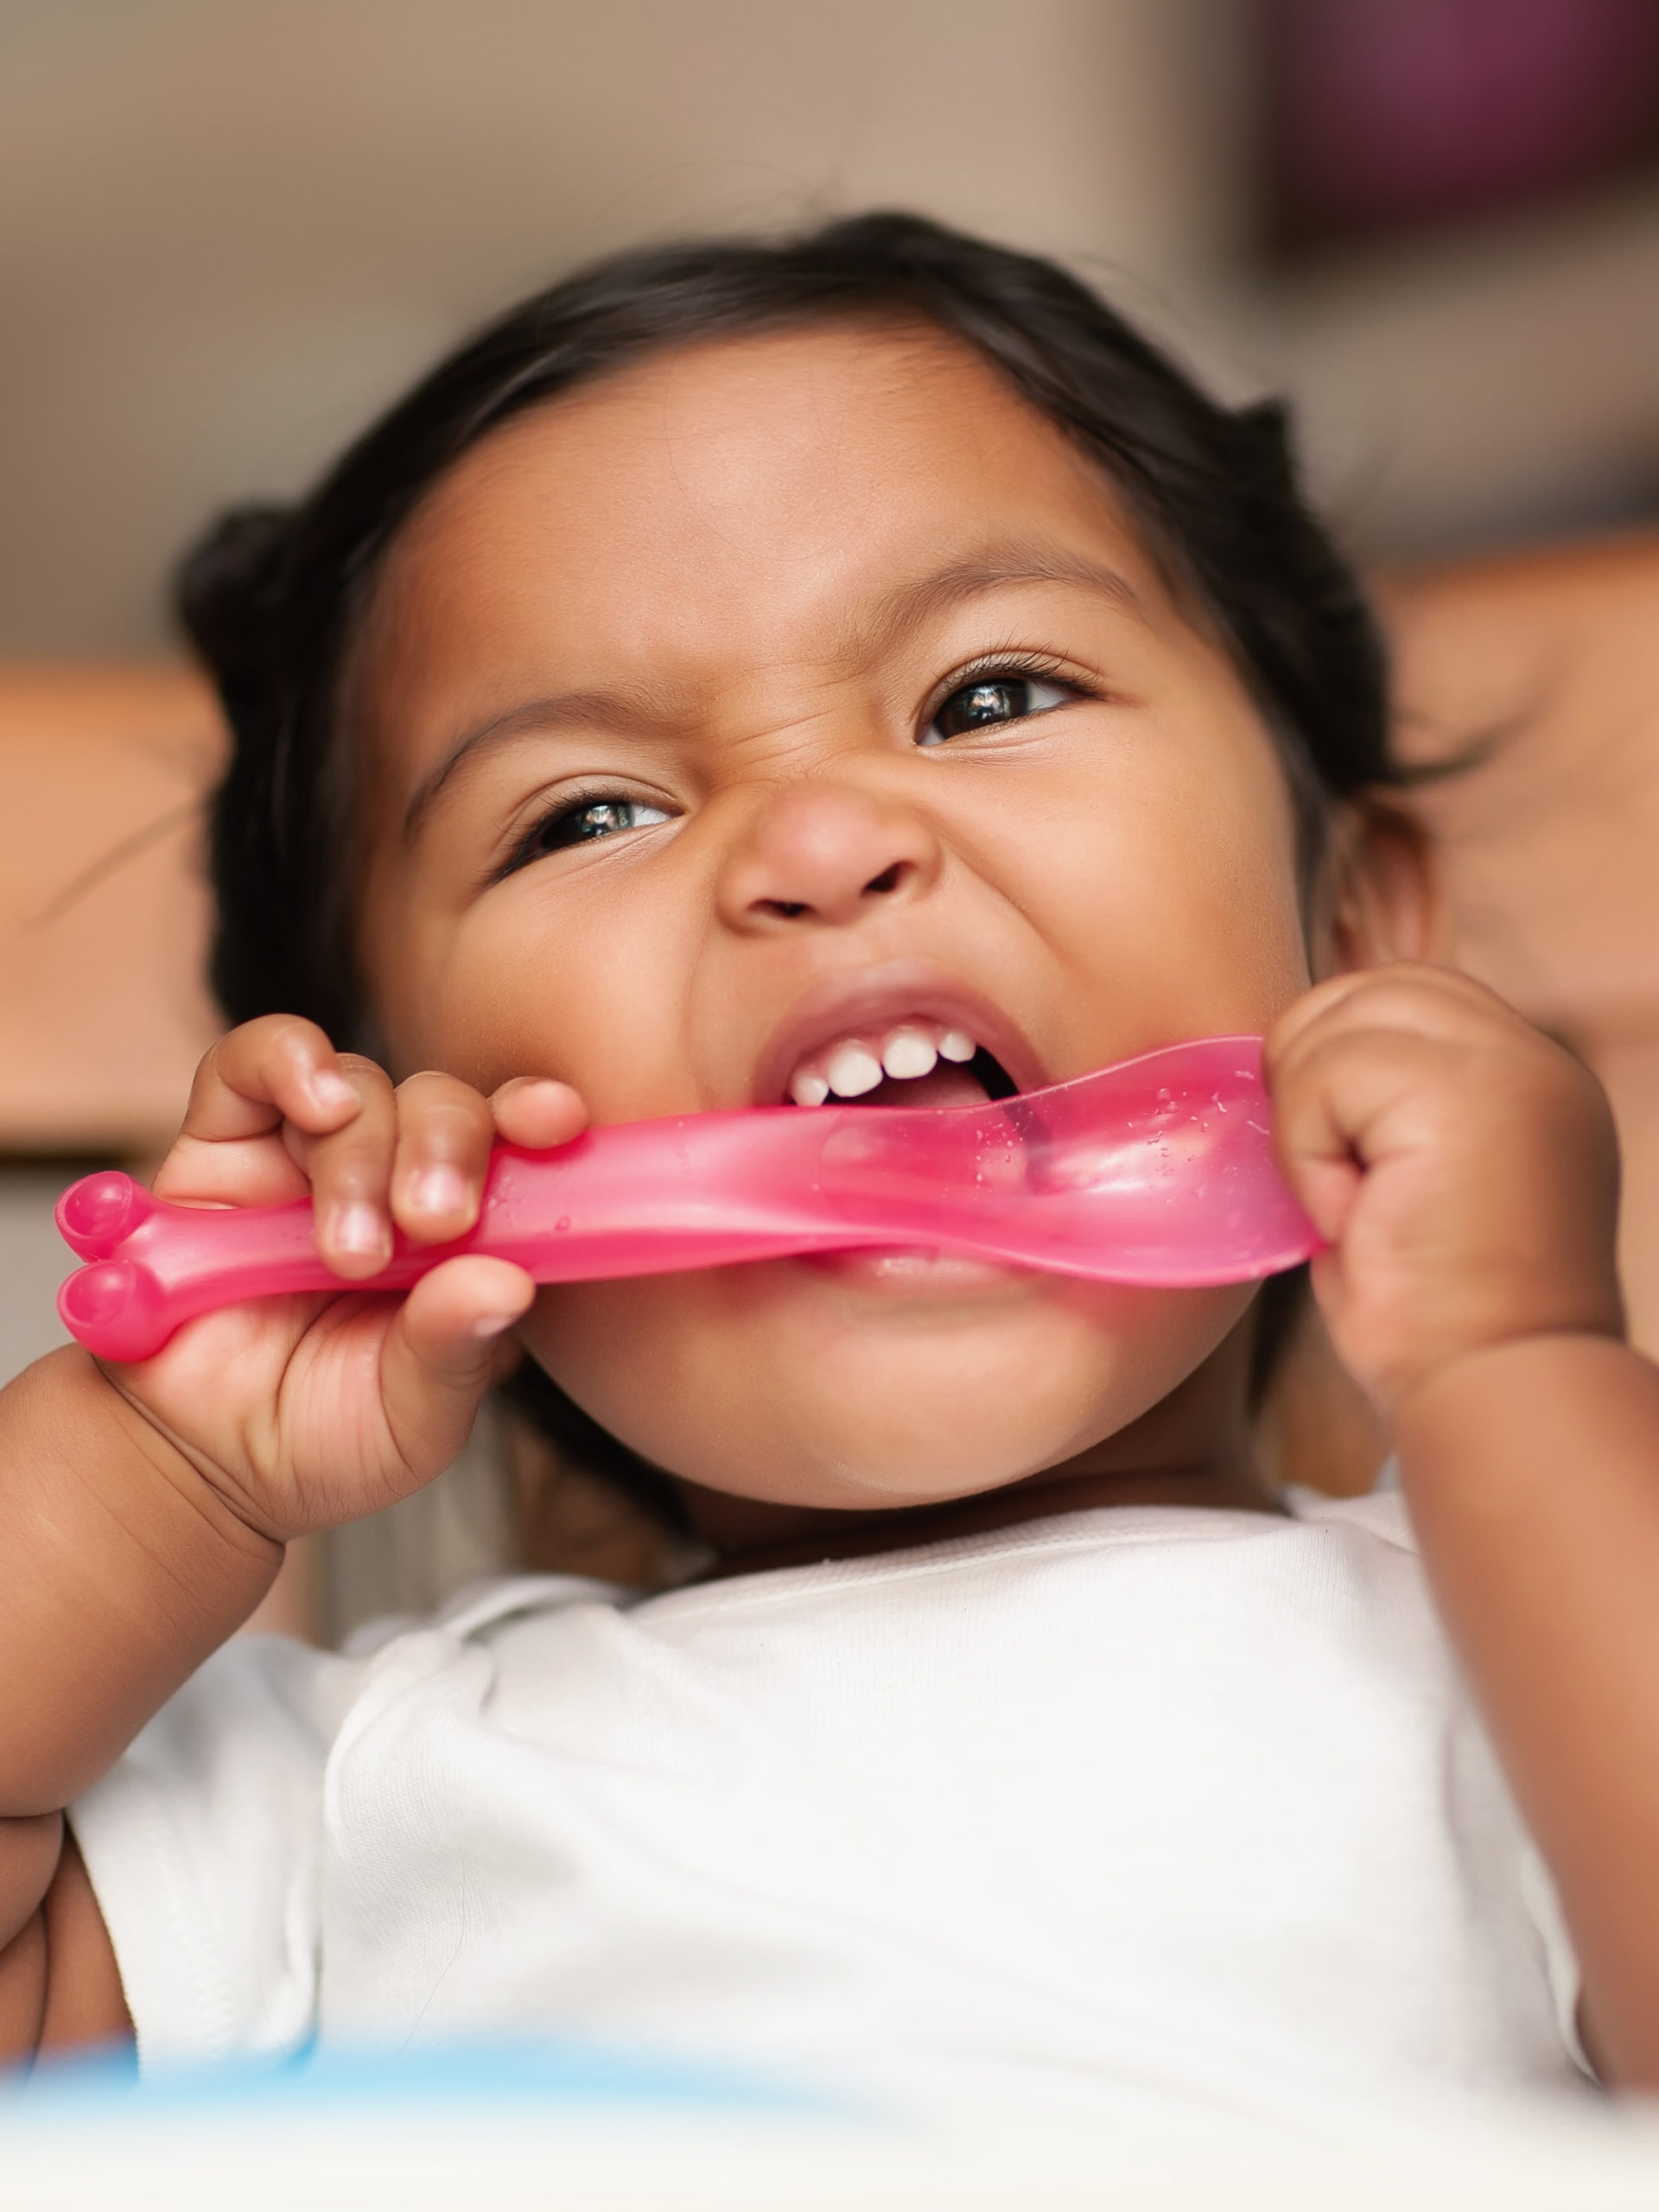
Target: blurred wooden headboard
x: 102, y: 911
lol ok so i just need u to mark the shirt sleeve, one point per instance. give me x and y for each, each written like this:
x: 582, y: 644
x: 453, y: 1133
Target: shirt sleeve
x: 203, y: 1845
x: 1543, y: 1908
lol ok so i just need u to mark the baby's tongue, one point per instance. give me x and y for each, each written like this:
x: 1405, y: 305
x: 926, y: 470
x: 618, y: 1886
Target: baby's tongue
x: 948, y: 1085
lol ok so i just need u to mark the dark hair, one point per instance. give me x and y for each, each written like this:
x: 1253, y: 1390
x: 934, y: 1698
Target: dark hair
x: 271, y: 597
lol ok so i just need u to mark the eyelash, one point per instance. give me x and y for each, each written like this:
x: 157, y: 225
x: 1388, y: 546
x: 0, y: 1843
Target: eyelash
x: 988, y: 670
x: 567, y: 810
x: 991, y: 668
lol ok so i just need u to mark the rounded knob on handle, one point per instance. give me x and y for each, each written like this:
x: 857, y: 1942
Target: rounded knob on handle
x: 115, y: 1307
x: 96, y: 1213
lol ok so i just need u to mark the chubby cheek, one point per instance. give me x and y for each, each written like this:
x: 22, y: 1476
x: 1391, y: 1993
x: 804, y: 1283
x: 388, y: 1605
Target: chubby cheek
x: 1167, y: 886
x: 772, y: 1381
x: 517, y: 987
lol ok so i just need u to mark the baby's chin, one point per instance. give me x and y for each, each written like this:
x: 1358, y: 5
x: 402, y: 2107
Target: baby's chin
x: 877, y: 1380
x: 823, y: 1438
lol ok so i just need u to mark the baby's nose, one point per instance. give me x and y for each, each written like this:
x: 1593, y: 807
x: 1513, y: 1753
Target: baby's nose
x: 822, y: 853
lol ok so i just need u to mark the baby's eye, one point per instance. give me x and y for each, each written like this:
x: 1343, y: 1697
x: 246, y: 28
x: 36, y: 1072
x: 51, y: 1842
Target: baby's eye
x: 993, y: 699
x: 584, y: 823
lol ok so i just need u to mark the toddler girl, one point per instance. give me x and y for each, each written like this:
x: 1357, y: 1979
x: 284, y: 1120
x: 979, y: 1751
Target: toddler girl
x: 855, y: 667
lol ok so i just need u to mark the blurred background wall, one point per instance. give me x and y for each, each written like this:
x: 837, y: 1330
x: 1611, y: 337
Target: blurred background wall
x: 230, y: 229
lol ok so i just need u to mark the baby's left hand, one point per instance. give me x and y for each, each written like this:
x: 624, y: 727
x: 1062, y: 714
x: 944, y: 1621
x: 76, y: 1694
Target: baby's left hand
x: 1463, y: 1167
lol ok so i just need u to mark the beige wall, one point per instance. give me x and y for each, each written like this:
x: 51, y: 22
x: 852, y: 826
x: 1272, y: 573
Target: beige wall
x: 229, y: 229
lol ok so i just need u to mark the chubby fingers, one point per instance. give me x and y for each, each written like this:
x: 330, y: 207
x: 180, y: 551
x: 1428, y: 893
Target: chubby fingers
x: 444, y: 1132
x: 1335, y: 1094
x: 450, y: 1339
x: 539, y: 1113
x: 413, y: 1158
x: 1424, y: 1000
x: 1402, y: 1058
x: 279, y: 1068
x: 416, y: 1159
x: 1399, y: 1003
x: 1337, y: 1060
x: 276, y: 1112
x: 349, y: 1169
x: 278, y: 1071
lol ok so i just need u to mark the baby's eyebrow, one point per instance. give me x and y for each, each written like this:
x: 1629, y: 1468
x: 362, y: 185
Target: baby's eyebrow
x: 563, y: 710
x: 904, y: 608
x: 997, y: 569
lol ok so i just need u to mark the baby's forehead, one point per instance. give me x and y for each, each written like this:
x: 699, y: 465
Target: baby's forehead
x: 776, y: 445
x: 732, y: 495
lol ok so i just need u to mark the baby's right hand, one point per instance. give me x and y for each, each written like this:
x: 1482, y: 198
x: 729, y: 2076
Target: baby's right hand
x: 306, y: 1411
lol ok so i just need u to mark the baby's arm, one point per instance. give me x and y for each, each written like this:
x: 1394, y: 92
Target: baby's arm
x: 123, y: 1571
x: 145, y: 1509
x: 1466, y: 1171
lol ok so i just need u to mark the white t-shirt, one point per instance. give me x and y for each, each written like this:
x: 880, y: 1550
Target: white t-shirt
x: 1137, y: 1804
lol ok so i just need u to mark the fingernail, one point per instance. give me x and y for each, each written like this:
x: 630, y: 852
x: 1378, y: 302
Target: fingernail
x: 331, y: 1091
x: 493, y: 1325
x: 440, y: 1189
x: 360, y: 1227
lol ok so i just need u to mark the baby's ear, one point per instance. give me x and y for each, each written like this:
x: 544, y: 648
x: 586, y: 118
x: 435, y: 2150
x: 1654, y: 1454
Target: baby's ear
x: 1385, y: 900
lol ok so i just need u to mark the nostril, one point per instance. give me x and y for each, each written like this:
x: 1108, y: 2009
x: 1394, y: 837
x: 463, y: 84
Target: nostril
x: 889, y: 879
x: 785, y: 909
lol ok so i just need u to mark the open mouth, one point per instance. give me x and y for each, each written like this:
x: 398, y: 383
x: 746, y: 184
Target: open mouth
x: 913, y: 1062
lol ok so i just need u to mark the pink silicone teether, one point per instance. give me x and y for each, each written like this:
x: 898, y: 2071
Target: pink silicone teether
x: 1158, y: 1172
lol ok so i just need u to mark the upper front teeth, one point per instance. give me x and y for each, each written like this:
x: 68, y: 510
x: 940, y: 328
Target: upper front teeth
x: 853, y: 1070
x: 906, y: 1054
x: 857, y: 1064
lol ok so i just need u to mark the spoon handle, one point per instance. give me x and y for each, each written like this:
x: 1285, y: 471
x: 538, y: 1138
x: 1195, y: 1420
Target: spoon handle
x: 1157, y: 1171
x: 646, y: 1198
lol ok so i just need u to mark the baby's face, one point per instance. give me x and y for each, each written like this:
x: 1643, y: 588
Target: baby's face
x: 735, y: 714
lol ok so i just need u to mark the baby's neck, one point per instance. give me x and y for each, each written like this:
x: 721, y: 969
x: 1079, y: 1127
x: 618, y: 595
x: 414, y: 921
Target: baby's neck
x: 1192, y: 1449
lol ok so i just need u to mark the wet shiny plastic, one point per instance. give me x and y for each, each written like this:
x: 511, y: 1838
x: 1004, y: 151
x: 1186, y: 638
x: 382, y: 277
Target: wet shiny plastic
x: 1157, y: 1172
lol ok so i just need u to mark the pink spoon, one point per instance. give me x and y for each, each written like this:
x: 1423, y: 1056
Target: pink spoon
x: 1158, y: 1172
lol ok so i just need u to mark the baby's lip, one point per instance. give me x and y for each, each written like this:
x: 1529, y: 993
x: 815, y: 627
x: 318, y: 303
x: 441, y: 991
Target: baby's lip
x: 869, y: 1000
